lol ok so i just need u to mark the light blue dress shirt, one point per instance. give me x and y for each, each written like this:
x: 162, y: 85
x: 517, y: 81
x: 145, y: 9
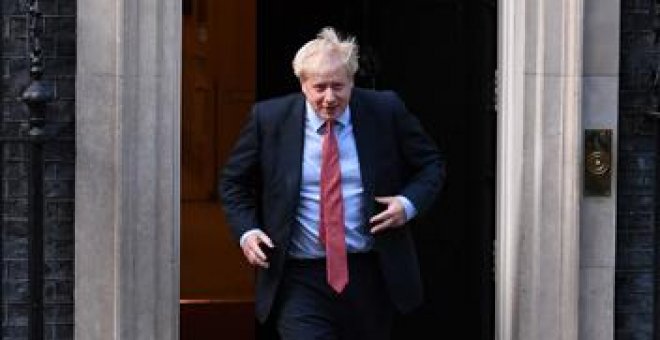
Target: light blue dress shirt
x: 305, y: 239
x: 305, y: 234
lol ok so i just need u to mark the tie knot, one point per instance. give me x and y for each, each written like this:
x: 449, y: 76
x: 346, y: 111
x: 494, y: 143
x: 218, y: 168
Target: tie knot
x: 328, y: 125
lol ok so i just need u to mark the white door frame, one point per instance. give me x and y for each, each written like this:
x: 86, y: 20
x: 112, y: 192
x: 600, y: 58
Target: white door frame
x: 127, y: 169
x: 538, y: 172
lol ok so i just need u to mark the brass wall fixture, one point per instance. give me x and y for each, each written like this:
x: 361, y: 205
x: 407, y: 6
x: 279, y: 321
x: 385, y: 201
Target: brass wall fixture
x: 598, y: 162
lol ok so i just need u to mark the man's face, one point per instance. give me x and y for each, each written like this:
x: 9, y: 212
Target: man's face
x: 329, y: 89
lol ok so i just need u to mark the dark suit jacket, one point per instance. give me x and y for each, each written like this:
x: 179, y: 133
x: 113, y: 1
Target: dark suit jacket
x: 261, y: 181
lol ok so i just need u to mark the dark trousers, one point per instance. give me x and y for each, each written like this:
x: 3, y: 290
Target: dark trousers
x: 308, y: 309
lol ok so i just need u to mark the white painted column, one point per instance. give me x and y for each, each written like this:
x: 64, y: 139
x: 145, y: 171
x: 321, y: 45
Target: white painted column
x: 127, y: 169
x: 539, y: 169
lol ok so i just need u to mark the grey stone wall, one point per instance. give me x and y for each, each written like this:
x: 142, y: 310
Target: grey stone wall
x: 59, y: 49
x: 637, y: 222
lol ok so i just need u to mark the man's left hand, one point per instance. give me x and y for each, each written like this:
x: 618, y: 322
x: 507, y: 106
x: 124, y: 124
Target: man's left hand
x: 393, y: 216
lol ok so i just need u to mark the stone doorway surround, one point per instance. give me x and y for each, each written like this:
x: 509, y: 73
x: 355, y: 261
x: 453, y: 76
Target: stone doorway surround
x: 558, y: 75
x: 539, y: 153
x: 127, y: 169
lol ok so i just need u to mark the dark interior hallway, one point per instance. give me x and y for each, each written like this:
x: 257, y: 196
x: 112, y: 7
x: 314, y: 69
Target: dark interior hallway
x: 440, y: 56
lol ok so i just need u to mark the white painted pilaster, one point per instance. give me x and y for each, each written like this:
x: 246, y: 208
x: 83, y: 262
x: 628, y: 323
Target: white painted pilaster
x: 539, y: 159
x: 127, y: 169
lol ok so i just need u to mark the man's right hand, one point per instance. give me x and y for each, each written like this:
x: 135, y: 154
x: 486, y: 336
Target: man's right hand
x: 254, y: 246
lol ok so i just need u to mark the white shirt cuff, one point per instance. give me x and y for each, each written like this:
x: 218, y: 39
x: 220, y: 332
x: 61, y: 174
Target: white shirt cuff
x: 246, y: 234
x: 408, y: 207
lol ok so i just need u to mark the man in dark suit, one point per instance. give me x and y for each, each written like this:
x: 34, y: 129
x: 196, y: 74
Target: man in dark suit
x: 318, y: 192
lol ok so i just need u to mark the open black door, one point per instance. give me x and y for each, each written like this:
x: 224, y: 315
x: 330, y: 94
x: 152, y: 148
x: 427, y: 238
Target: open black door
x: 440, y: 56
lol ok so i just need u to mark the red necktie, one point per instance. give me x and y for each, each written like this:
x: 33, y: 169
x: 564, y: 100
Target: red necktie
x: 331, y: 230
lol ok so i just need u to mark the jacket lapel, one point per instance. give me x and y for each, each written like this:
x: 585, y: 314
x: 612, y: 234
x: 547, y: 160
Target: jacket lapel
x: 364, y: 134
x: 293, y: 128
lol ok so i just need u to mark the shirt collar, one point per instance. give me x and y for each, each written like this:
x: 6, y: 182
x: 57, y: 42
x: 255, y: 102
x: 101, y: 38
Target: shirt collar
x: 317, y: 122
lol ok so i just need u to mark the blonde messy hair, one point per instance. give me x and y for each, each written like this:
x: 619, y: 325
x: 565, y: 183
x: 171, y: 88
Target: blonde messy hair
x: 326, y: 43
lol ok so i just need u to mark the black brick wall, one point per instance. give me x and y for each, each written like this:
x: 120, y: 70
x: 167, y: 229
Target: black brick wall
x: 637, y: 201
x: 58, y: 41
